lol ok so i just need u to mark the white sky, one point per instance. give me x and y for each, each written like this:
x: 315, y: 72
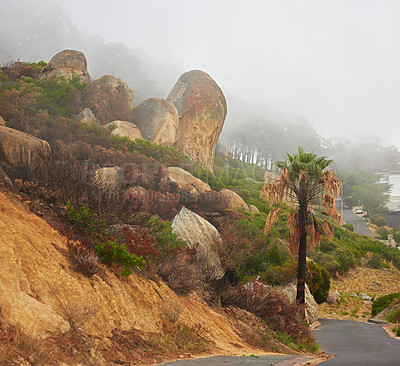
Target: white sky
x: 334, y: 62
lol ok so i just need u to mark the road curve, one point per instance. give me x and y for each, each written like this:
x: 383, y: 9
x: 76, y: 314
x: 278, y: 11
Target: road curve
x: 355, y: 343
x: 272, y: 359
x: 360, y: 225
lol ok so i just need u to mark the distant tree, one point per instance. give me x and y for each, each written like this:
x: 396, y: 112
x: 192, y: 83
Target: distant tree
x: 304, y: 184
x: 372, y: 196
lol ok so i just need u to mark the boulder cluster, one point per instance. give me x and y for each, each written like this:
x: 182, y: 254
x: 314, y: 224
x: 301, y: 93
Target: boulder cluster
x: 190, y: 118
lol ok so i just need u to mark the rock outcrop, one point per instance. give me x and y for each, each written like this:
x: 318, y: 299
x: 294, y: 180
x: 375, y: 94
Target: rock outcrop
x: 233, y: 200
x: 22, y: 150
x: 290, y: 290
x: 86, y: 116
x: 124, y: 129
x: 157, y: 120
x: 2, y: 122
x: 5, y: 181
x: 110, y: 99
x: 67, y: 63
x: 185, y: 181
x: 195, y: 230
x: 201, y: 107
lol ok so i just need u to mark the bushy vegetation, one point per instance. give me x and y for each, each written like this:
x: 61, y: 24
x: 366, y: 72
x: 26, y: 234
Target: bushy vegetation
x: 396, y: 330
x: 243, y: 178
x: 393, y: 316
x: 396, y: 234
x: 383, y: 302
x: 379, y: 220
x: 347, y: 248
x: 96, y: 235
x: 273, y: 308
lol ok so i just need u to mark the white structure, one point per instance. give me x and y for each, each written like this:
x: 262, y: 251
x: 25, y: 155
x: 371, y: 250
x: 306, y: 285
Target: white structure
x: 392, y: 177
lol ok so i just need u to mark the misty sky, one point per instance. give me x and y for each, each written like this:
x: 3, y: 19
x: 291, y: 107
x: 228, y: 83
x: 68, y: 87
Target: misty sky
x: 334, y: 62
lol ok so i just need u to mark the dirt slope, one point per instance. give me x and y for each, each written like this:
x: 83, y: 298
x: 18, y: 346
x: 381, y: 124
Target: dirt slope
x: 42, y: 295
x: 372, y: 282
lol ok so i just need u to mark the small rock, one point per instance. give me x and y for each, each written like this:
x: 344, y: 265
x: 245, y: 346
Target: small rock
x: 333, y: 297
x: 352, y: 294
x: 86, y: 116
x: 253, y: 209
x: 362, y: 296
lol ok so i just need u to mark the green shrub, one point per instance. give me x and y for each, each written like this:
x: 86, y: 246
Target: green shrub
x: 280, y: 275
x: 349, y: 227
x: 396, y: 330
x: 393, y: 316
x: 383, y: 302
x: 111, y: 251
x: 377, y: 262
x: 396, y: 235
x: 318, y: 281
x: 108, y: 249
x: 383, y: 233
x: 379, y: 220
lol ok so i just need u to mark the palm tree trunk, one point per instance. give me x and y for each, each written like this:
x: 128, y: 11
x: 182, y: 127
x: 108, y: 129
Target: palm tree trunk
x: 302, y: 264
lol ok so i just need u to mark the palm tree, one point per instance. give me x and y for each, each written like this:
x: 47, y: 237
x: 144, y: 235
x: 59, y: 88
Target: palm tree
x: 305, y: 185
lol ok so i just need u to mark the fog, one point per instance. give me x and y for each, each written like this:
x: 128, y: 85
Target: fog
x: 332, y: 63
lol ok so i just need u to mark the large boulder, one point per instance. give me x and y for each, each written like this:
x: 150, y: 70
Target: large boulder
x: 201, y: 107
x: 199, y: 233
x: 67, y: 63
x: 22, y: 150
x: 157, y: 120
x: 86, y: 116
x: 124, y: 129
x: 233, y: 200
x: 185, y: 181
x: 110, y: 99
x: 290, y: 290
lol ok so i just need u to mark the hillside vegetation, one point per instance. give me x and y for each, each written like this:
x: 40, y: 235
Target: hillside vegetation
x: 118, y: 251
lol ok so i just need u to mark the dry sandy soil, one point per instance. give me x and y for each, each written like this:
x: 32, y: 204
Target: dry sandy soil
x: 372, y: 282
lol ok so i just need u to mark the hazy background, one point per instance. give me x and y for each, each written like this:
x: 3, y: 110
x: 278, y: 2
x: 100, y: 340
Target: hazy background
x: 332, y: 63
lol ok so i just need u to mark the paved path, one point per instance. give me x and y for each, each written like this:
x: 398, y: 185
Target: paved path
x: 360, y: 226
x: 277, y: 360
x: 355, y: 343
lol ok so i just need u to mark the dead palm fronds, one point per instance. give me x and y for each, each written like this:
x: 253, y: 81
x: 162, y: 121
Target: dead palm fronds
x: 305, y: 185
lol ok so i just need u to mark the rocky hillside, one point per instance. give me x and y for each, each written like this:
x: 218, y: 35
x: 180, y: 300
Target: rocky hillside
x: 117, y: 249
x: 128, y: 236
x: 43, y: 296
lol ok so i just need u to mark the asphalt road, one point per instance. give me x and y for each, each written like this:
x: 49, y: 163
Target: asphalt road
x: 355, y: 343
x: 360, y: 226
x: 266, y: 360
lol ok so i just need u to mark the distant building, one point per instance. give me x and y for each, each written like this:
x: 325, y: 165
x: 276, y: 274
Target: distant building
x: 392, y: 177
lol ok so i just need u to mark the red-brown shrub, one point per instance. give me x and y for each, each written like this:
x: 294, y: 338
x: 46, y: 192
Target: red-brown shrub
x: 138, y: 242
x: 271, y: 307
